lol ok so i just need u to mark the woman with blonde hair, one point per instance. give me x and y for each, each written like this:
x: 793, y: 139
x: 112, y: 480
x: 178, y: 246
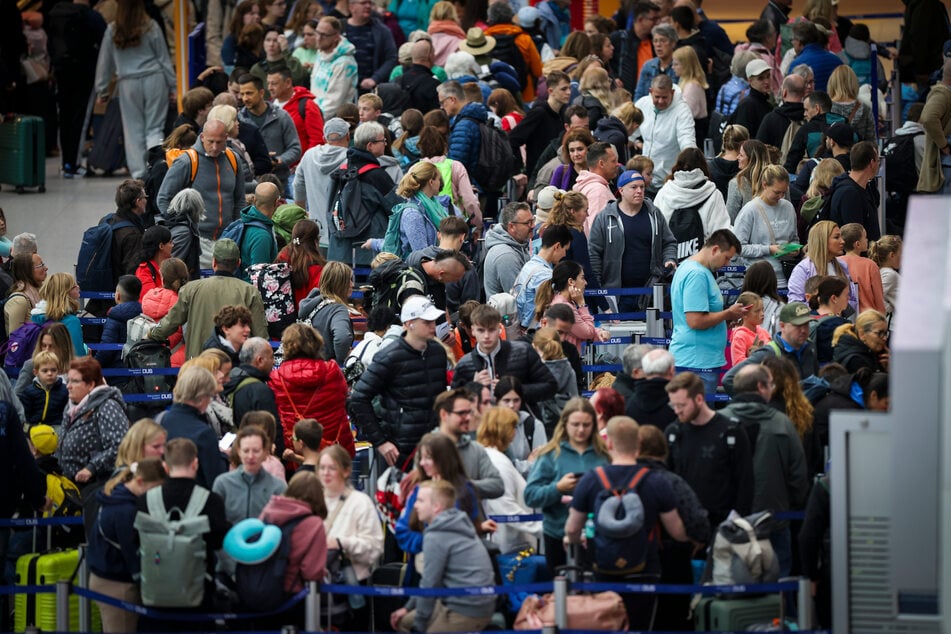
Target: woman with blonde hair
x: 886, y: 253
x: 420, y: 215
x: 819, y: 187
x: 693, y: 86
x: 308, y: 386
x: 725, y: 165
x: 135, y: 50
x: 595, y: 88
x: 752, y: 159
x: 112, y: 551
x: 547, y: 343
x: 789, y: 397
x: 327, y: 308
x: 571, y: 210
x: 575, y: 447
x: 843, y: 89
x: 145, y: 439
x: 219, y: 414
x: 768, y: 222
x: 824, y: 251
x: 445, y: 31
x: 863, y: 345
x: 59, y: 301
x: 495, y: 433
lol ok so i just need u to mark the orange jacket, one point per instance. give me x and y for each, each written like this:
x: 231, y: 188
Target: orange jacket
x: 533, y: 61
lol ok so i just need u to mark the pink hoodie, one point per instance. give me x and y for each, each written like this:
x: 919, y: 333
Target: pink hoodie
x: 596, y: 190
x: 308, y: 557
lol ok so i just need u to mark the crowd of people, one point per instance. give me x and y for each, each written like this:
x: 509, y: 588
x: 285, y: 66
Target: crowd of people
x: 487, y: 163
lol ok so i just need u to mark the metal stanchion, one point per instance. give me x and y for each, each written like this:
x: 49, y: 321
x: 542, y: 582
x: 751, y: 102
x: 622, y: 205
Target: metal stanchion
x: 655, y: 325
x: 62, y: 606
x: 85, y: 613
x: 804, y: 619
x: 549, y: 629
x: 288, y: 629
x: 561, y: 602
x: 312, y: 607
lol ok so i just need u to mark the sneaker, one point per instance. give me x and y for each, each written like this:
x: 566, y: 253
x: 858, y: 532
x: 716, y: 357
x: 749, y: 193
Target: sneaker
x: 69, y: 171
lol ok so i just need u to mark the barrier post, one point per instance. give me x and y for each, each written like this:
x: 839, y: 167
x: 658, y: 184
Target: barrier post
x: 62, y: 606
x: 312, y: 607
x: 288, y: 629
x: 561, y: 602
x: 655, y: 325
x: 804, y: 618
x: 85, y: 615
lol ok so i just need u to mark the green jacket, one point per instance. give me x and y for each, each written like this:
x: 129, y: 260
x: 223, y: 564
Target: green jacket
x: 258, y: 245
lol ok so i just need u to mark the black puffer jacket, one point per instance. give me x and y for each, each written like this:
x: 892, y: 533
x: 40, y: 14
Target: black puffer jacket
x: 854, y: 354
x: 407, y: 382
x: 514, y: 358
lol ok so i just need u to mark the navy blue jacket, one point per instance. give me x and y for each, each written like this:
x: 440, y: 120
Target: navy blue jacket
x: 44, y: 406
x: 384, y: 51
x: 464, y: 137
x: 21, y: 476
x: 115, y: 331
x: 113, y: 552
x: 821, y: 61
x: 184, y: 421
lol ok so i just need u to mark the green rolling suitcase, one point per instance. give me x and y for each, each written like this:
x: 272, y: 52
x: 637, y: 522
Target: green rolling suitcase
x: 23, y: 153
x: 40, y: 609
x: 735, y: 615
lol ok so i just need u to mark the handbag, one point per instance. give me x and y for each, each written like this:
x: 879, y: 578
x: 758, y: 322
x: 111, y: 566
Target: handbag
x: 787, y: 262
x: 602, y: 611
x: 35, y: 70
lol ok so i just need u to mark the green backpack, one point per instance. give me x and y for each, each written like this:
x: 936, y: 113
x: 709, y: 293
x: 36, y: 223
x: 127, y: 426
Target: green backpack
x: 172, y: 551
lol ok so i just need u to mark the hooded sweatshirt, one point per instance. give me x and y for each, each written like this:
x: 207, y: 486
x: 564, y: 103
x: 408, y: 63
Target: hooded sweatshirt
x: 113, y: 552
x: 666, y: 133
x: 455, y: 558
x: 504, y: 258
x: 308, y: 556
x: 332, y: 321
x: 312, y: 183
x: 246, y: 495
x: 597, y: 191
x: 688, y: 188
x: 258, y: 245
x: 334, y: 78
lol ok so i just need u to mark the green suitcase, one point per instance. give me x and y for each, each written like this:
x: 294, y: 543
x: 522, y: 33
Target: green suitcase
x: 735, y: 615
x: 23, y: 153
x: 39, y: 610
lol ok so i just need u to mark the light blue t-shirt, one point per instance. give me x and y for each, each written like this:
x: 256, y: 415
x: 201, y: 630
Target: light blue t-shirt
x: 695, y: 290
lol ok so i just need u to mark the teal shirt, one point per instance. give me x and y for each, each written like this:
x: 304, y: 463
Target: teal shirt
x: 694, y: 290
x: 541, y: 492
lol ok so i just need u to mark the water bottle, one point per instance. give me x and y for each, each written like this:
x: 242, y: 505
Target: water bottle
x: 589, y: 527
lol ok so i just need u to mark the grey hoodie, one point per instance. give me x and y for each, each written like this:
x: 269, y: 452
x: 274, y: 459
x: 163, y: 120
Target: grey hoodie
x: 504, y: 258
x: 455, y: 558
x: 482, y: 473
x: 220, y: 187
x: 279, y: 132
x: 312, y: 184
x: 606, y: 244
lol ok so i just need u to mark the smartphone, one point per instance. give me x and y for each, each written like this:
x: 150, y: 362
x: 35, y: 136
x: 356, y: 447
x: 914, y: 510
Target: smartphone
x: 578, y: 474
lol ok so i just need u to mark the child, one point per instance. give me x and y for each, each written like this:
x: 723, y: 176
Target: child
x: 157, y: 302
x: 750, y: 335
x: 127, y: 307
x: 264, y: 420
x: 307, y: 436
x: 370, y: 107
x: 45, y: 398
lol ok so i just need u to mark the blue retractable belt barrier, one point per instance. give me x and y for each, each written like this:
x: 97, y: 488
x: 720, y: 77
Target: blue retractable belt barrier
x: 171, y: 615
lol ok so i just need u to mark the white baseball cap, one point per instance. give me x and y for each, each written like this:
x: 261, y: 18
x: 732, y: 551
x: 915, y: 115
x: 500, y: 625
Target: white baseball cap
x: 419, y: 307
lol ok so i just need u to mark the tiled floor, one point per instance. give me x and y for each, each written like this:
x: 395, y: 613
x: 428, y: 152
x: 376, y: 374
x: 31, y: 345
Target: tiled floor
x: 59, y: 216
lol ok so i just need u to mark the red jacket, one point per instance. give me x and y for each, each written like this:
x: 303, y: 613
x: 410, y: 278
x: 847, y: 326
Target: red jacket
x: 310, y: 129
x: 313, y: 272
x: 313, y: 388
x: 155, y: 304
x: 144, y: 273
x: 308, y: 557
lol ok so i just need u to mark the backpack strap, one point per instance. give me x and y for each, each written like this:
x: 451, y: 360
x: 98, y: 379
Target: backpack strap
x: 775, y: 346
x: 603, y: 477
x: 195, y: 503
x: 241, y: 384
x: 302, y: 109
x: 366, y: 168
x: 637, y: 478
x: 156, y: 503
x: 192, y: 154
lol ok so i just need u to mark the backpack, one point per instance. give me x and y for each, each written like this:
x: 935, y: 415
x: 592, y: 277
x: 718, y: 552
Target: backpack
x: 241, y: 384
x: 273, y: 282
x: 21, y: 345
x: 147, y: 355
x: 67, y: 502
x: 70, y: 43
x: 137, y: 329
x: 788, y: 137
x: 814, y: 327
x: 387, y: 280
x: 717, y: 124
x: 901, y: 172
x: 349, y: 212
x: 742, y: 552
x: 687, y: 227
x: 94, y: 266
x: 192, y: 155
x: 496, y: 163
x: 620, y: 539
x: 506, y: 50
x: 235, y: 230
x: 172, y: 552
x: 3, y: 320
x: 260, y: 586
x: 392, y: 242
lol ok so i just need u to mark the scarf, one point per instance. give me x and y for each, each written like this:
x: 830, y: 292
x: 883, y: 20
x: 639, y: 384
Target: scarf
x: 446, y: 26
x: 434, y: 211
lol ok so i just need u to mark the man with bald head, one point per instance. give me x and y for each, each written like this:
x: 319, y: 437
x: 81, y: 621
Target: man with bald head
x: 217, y: 176
x: 785, y: 118
x: 258, y: 245
x: 418, y: 80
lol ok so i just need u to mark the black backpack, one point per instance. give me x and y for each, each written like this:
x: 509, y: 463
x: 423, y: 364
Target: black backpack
x: 148, y: 355
x: 507, y: 51
x: 260, y: 586
x: 687, y: 227
x: 386, y: 281
x: 71, y: 45
x: 901, y: 171
x: 349, y: 210
x: 496, y: 162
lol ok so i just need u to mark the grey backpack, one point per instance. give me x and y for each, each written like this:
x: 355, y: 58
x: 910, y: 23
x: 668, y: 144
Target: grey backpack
x: 172, y: 551
x: 742, y: 552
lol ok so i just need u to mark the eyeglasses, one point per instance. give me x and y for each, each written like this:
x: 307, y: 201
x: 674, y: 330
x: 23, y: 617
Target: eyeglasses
x: 881, y: 334
x: 378, y: 141
x: 522, y: 222
x: 445, y: 99
x: 39, y: 266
